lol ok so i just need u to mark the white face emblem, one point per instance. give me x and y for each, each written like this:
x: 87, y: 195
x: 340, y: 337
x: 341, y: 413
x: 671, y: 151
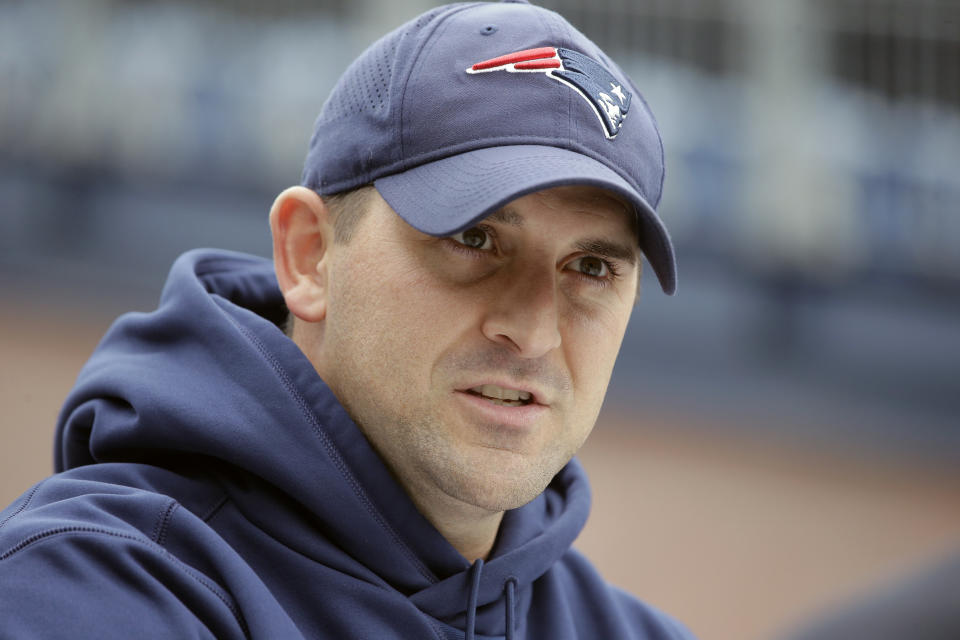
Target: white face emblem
x: 612, y: 109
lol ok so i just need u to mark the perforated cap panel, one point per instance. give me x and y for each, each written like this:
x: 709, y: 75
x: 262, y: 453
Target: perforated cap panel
x: 365, y: 85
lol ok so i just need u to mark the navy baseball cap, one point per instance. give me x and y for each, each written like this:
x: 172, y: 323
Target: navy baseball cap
x: 473, y: 105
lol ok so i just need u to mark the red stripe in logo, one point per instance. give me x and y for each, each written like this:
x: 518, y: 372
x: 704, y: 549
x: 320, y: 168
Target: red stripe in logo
x: 546, y: 57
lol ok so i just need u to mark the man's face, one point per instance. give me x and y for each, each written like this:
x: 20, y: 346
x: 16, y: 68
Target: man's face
x: 476, y: 364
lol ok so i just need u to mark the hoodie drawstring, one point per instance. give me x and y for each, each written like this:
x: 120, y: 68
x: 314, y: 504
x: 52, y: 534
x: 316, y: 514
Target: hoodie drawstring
x: 472, y: 599
x: 510, y: 587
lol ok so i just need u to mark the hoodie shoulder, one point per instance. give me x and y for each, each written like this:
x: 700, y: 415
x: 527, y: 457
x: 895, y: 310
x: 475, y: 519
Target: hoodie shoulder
x: 81, y: 557
x: 601, y: 610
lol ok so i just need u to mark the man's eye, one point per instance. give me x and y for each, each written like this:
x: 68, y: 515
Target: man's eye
x: 591, y: 266
x: 475, y: 238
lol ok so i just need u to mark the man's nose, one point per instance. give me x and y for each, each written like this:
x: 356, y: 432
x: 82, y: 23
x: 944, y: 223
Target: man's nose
x: 523, y: 315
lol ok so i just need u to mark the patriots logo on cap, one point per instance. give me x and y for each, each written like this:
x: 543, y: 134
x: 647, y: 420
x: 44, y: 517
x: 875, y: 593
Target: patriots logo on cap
x: 584, y: 75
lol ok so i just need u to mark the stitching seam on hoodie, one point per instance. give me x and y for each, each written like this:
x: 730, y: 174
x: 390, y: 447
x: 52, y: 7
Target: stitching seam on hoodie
x: 333, y: 453
x: 23, y: 506
x: 215, y: 589
x: 163, y: 523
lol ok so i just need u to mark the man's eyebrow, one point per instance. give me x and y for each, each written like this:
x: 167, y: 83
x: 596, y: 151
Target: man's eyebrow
x: 508, y: 216
x: 599, y: 246
x: 608, y: 249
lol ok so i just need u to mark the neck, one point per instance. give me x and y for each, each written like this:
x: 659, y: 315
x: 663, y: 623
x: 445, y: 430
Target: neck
x: 470, y: 529
x: 473, y: 538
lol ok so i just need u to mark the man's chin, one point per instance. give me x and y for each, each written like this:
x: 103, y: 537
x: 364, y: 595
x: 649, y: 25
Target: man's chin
x: 498, y: 480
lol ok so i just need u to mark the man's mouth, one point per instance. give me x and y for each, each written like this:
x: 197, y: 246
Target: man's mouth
x: 502, y: 396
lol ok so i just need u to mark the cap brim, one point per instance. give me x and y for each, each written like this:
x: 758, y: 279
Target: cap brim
x: 449, y: 195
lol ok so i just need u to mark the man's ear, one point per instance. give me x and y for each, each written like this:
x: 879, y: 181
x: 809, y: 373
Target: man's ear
x: 302, y: 236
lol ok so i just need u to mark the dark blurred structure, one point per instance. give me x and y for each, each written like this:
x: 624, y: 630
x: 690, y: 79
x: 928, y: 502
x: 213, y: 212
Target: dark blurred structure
x: 922, y: 606
x: 812, y: 188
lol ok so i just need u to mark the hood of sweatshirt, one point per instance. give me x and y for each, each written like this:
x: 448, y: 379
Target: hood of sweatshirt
x: 209, y: 379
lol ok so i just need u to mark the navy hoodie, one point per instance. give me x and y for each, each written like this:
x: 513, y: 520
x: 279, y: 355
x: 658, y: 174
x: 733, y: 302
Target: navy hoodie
x: 210, y: 485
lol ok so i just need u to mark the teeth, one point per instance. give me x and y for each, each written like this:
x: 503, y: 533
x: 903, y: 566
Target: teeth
x: 494, y: 392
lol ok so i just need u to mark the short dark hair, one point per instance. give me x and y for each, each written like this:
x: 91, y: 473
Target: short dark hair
x: 347, y: 209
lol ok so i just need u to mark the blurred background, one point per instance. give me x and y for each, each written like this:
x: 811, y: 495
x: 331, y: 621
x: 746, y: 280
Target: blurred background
x: 780, y: 438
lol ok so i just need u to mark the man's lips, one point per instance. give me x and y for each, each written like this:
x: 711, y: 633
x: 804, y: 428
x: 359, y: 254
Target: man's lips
x: 505, y: 394
x: 503, y: 413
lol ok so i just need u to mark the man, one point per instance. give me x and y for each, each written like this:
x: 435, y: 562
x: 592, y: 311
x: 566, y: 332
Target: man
x: 455, y: 275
